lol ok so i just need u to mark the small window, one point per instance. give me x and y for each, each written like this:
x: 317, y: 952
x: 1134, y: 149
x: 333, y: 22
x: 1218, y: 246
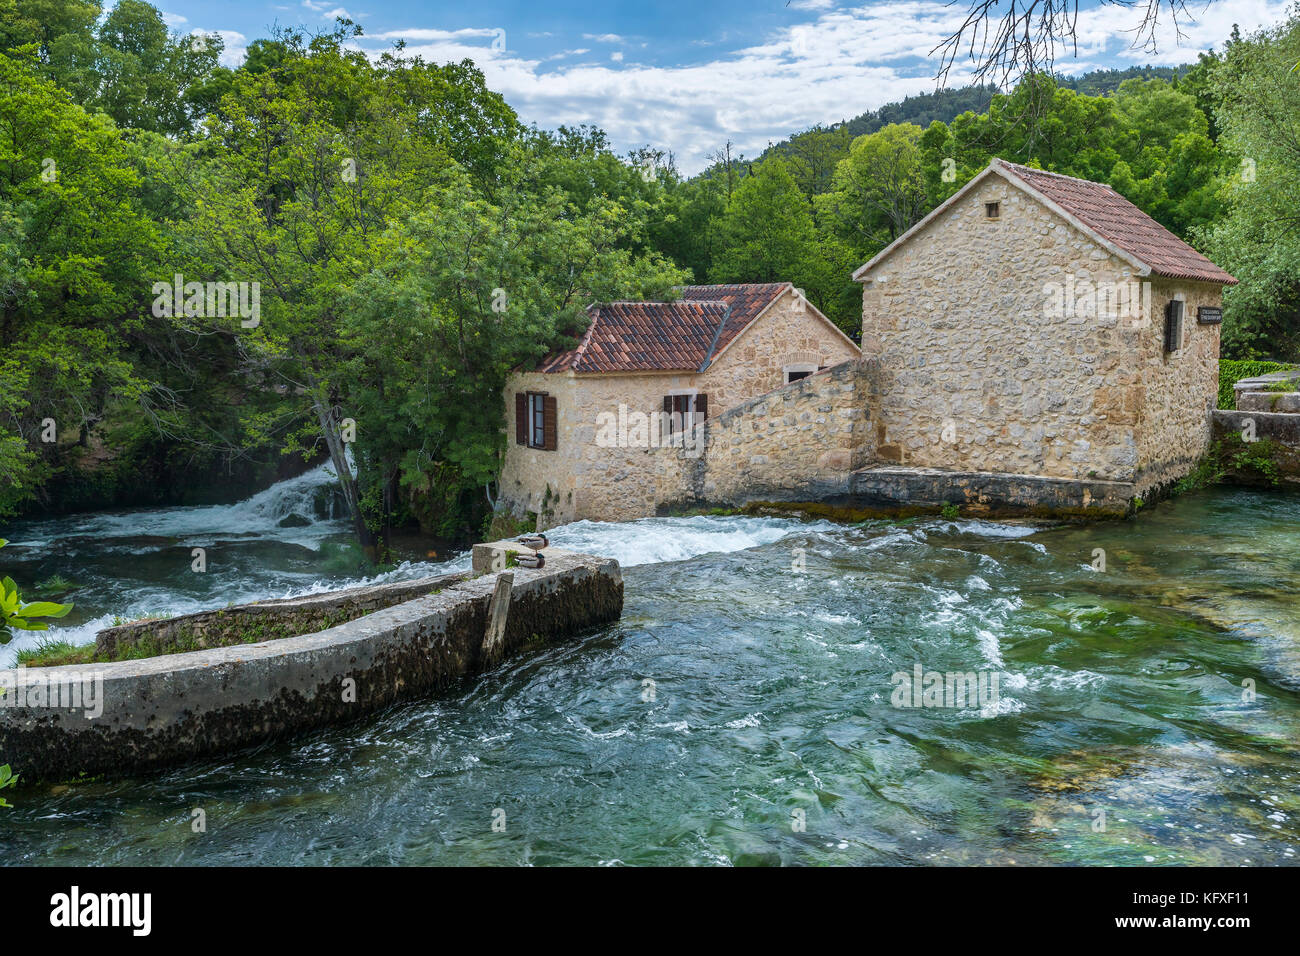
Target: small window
x: 684, y: 411
x: 992, y: 210
x: 535, y: 420
x: 1173, y: 325
x: 797, y: 371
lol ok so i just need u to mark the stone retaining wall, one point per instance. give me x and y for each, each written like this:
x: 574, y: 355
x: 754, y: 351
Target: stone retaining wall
x: 800, y: 442
x: 989, y: 494
x: 163, y: 710
x: 1279, y: 429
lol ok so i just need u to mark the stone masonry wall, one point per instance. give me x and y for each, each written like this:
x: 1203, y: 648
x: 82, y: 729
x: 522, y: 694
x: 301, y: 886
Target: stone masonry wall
x: 1178, y: 391
x: 978, y: 376
x: 790, y: 333
x: 798, y: 443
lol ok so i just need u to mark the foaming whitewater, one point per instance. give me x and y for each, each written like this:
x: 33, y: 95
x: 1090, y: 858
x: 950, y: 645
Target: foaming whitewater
x: 658, y: 540
x: 289, y: 540
x: 303, y: 509
x: 293, y: 539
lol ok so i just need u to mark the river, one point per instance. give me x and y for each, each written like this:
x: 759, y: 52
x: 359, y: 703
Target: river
x: 742, y: 711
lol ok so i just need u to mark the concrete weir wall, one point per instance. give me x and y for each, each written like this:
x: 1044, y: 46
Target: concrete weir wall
x: 1280, y: 429
x: 163, y: 710
x: 990, y: 494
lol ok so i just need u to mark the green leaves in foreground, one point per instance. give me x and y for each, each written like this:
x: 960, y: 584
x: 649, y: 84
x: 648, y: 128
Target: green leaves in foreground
x: 18, y: 616
x: 7, y: 779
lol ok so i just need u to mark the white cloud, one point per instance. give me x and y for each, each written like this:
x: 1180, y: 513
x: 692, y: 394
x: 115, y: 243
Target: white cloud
x: 617, y: 56
x: 436, y: 36
x: 235, y: 45
x: 567, y: 53
x: 837, y: 64
x: 326, y: 11
x: 172, y: 19
x: 603, y: 37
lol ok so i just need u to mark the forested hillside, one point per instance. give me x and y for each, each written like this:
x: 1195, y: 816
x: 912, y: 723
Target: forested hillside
x: 400, y: 240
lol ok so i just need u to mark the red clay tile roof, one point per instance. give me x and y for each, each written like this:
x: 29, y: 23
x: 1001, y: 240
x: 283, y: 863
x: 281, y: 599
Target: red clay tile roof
x: 746, y: 301
x: 665, y: 336
x: 643, y: 336
x: 1123, y: 224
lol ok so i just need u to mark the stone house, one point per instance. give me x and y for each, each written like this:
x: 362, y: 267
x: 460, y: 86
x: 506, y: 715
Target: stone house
x: 1036, y: 344
x: 1036, y: 324
x: 584, y: 433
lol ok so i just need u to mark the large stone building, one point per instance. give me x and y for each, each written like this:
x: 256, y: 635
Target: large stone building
x: 1036, y: 343
x: 585, y: 425
x: 1037, y: 324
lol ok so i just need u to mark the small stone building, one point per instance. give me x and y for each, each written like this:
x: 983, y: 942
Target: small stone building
x: 1036, y: 324
x: 587, y: 425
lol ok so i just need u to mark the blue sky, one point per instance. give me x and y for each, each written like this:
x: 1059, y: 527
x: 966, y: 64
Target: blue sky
x: 688, y: 76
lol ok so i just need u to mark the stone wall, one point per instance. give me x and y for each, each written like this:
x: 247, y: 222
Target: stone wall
x: 791, y: 332
x: 1176, y: 392
x: 1280, y: 429
x: 588, y: 477
x: 584, y: 477
x: 264, y: 620
x: 163, y: 710
x: 900, y: 490
x: 977, y: 376
x: 798, y: 443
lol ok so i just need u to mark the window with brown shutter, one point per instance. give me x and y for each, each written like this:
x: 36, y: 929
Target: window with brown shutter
x: 684, y: 411
x: 535, y: 420
x: 549, y: 423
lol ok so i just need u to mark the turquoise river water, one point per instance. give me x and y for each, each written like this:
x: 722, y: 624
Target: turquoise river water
x: 743, y: 710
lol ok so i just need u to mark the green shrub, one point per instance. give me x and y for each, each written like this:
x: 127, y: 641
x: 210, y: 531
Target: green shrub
x: 19, y: 615
x: 1231, y: 372
x: 7, y: 779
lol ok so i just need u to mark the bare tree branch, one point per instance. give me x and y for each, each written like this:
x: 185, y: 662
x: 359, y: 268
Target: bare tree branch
x: 1006, y: 40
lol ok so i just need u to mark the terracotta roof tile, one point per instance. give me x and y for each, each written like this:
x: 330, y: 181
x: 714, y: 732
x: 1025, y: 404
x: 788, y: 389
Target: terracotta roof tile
x: 643, y: 336
x: 1123, y: 224
x: 746, y: 300
x: 666, y: 336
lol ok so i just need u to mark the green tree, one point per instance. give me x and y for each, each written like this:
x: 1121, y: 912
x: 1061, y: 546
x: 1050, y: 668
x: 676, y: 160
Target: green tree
x: 305, y: 167
x: 147, y: 78
x: 76, y: 254
x: 879, y: 190
x: 468, y: 290
x: 767, y: 231
x: 1258, y: 239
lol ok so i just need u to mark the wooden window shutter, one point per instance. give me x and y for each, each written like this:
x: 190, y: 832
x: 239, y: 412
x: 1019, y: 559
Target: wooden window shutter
x: 548, y: 422
x: 521, y: 418
x: 701, y: 407
x: 668, y: 404
x: 1173, y: 325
